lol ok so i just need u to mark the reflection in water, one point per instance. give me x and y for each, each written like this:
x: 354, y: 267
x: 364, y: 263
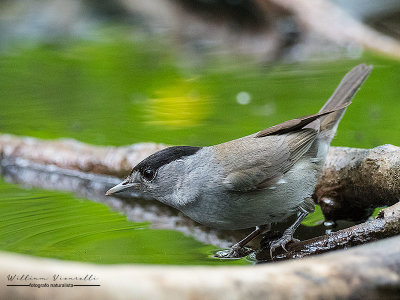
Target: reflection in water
x: 178, y: 106
x: 56, y: 224
x: 93, y: 186
x: 142, y: 212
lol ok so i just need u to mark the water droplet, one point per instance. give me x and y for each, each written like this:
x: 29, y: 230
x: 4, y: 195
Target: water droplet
x: 328, y: 201
x: 281, y: 181
x: 329, y: 223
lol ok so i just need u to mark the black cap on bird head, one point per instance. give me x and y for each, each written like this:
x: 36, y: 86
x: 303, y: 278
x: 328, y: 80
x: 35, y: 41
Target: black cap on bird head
x: 147, y: 168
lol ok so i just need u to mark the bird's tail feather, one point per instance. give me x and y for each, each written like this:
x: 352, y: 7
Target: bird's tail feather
x: 327, y: 119
x: 342, y: 97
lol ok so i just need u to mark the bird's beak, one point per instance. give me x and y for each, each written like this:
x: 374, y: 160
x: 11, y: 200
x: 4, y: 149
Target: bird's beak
x: 124, y: 185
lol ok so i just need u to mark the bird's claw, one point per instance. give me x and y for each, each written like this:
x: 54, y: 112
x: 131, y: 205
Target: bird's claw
x: 281, y: 242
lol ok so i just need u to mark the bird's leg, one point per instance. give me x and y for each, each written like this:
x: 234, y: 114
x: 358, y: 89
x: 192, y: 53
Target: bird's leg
x: 305, y: 208
x: 247, y: 239
x: 238, y: 250
x: 288, y: 233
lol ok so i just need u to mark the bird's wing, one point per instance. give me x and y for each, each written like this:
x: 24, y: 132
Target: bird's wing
x: 254, y: 163
x: 298, y: 123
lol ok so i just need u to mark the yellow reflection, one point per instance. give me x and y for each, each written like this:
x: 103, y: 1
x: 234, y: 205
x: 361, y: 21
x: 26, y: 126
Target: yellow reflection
x: 179, y: 105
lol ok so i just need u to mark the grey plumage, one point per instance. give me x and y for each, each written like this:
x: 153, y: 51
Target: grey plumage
x: 255, y: 180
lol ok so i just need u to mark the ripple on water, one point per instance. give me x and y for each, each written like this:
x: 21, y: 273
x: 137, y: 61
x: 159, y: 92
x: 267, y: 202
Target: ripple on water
x: 59, y: 225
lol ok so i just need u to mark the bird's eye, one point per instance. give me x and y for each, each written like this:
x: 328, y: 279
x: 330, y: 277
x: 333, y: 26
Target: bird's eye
x: 148, y: 174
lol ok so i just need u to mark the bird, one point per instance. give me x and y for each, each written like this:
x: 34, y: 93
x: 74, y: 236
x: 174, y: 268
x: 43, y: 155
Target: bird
x: 250, y: 182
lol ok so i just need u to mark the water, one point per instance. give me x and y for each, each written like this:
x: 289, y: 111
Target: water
x: 59, y: 225
x: 117, y: 92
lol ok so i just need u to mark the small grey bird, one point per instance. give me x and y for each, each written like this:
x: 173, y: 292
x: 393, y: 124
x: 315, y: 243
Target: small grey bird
x: 253, y: 181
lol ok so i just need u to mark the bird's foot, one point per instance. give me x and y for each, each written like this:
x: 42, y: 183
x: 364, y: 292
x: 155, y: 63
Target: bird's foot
x: 281, y: 243
x: 235, y: 252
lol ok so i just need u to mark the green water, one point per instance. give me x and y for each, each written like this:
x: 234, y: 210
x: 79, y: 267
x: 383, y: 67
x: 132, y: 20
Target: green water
x: 59, y: 225
x: 117, y: 92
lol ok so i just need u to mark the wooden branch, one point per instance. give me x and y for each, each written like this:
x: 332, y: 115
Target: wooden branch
x: 73, y: 155
x: 370, y: 271
x: 320, y: 20
x: 387, y: 224
x: 333, y: 23
x: 353, y: 182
